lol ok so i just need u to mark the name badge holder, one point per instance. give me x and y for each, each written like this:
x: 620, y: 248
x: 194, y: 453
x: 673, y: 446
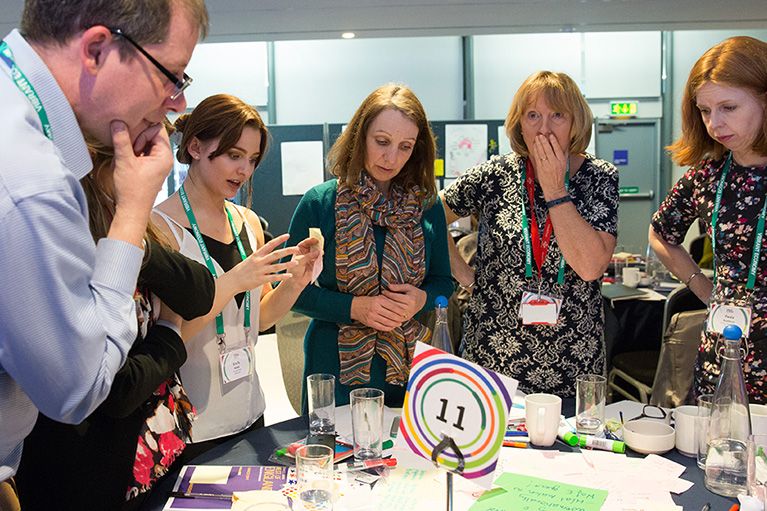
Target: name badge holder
x: 536, y: 308
x: 236, y: 362
x: 734, y: 312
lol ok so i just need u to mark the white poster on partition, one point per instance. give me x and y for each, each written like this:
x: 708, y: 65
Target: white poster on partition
x: 302, y: 165
x: 450, y: 398
x: 504, y: 146
x: 465, y: 146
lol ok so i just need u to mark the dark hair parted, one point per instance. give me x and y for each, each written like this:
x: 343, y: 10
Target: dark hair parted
x: 222, y: 117
x: 735, y: 62
x: 346, y: 158
x: 562, y: 94
x: 145, y: 21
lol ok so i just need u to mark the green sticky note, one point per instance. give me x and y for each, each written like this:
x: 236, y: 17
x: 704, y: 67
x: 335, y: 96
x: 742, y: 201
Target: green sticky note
x: 524, y: 493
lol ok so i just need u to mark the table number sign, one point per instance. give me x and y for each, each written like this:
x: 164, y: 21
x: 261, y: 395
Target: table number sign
x: 448, y: 396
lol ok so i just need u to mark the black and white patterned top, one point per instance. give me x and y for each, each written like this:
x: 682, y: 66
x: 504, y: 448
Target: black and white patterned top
x: 541, y: 358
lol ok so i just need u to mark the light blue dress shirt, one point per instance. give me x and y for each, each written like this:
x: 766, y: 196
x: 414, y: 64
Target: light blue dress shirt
x: 67, y: 316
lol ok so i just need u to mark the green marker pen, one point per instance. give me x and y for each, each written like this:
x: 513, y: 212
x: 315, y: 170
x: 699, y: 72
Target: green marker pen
x: 592, y: 442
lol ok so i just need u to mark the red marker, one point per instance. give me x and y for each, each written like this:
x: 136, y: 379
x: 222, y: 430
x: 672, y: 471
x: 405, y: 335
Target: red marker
x: 362, y: 465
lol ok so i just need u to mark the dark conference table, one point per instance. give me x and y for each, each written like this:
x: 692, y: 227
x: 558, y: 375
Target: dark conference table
x: 255, y: 447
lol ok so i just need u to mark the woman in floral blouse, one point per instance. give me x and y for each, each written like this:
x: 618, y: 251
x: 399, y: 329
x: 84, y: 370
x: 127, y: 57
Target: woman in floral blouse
x: 724, y: 138
x: 548, y: 215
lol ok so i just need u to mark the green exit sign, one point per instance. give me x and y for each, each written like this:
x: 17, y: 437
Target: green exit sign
x: 624, y: 107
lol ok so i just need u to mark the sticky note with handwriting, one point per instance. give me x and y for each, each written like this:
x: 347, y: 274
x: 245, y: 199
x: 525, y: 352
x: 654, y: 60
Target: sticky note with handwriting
x: 524, y: 493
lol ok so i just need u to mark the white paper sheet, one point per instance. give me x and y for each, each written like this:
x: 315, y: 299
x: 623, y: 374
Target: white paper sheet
x: 210, y: 474
x: 465, y: 146
x: 302, y: 164
x: 504, y: 146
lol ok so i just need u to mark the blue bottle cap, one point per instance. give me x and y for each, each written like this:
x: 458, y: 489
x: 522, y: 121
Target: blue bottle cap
x: 732, y: 332
x: 440, y: 301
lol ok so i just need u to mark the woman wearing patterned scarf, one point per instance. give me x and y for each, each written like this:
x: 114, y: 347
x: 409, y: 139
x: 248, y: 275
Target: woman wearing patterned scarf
x: 385, y: 254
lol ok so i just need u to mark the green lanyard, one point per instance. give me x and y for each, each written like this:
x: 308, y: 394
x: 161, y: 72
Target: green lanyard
x: 25, y: 86
x: 759, y: 227
x: 526, y: 228
x: 209, y: 262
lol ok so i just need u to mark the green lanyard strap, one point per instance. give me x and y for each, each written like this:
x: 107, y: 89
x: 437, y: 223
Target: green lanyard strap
x: 25, y: 86
x: 209, y: 262
x: 526, y: 229
x: 754, y: 267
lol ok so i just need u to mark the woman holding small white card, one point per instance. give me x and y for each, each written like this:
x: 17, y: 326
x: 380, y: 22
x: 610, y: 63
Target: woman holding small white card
x: 385, y: 253
x: 223, y: 141
x: 548, y: 215
x: 724, y: 139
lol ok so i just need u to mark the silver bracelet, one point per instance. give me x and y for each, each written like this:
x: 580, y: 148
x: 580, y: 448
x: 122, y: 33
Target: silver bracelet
x: 689, y: 279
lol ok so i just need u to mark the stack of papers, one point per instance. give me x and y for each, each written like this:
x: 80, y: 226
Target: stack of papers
x: 631, y: 483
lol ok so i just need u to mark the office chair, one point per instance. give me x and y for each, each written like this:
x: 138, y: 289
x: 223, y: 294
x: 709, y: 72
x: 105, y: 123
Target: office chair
x: 638, y: 370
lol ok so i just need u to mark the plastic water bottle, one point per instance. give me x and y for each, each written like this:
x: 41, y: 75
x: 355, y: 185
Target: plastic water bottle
x: 730, y: 423
x: 440, y: 337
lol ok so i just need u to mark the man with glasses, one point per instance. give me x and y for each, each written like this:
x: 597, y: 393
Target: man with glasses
x: 109, y: 71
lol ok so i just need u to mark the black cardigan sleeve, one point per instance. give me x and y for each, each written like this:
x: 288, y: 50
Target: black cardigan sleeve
x: 150, y: 362
x: 188, y: 288
x: 184, y: 285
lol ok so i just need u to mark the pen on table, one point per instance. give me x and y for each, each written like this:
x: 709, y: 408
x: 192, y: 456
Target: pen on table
x: 515, y: 433
x: 706, y: 506
x: 394, y: 427
x: 291, y: 449
x: 521, y: 445
x: 193, y: 495
x: 363, y: 465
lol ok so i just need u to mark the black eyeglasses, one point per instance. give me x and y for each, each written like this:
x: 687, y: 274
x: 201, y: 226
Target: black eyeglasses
x: 649, y: 412
x: 180, y: 84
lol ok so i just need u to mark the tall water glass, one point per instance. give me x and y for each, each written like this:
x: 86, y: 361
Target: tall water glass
x: 705, y: 402
x: 590, y: 394
x: 367, y: 422
x: 321, y: 394
x: 757, y: 468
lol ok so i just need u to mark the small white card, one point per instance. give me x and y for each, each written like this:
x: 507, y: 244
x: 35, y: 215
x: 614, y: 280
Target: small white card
x: 723, y: 314
x: 236, y: 363
x: 538, y: 309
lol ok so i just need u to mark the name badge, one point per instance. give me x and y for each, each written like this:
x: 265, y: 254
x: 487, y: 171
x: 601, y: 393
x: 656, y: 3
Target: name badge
x: 723, y: 314
x: 236, y: 363
x: 537, y: 309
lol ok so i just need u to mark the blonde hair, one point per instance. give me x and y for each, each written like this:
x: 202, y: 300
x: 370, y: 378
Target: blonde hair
x: 562, y: 94
x: 346, y: 158
x: 735, y: 62
x: 101, y: 203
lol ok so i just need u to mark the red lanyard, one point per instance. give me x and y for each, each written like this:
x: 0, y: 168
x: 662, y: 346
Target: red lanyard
x: 540, y: 242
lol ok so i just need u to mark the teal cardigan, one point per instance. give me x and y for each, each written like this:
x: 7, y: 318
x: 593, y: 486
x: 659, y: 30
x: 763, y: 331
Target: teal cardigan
x: 328, y: 307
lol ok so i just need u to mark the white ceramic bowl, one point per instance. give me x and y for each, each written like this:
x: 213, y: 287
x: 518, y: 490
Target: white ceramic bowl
x: 648, y: 436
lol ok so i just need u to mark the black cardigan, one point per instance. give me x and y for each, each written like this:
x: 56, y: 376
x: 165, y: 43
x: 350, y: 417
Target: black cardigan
x: 88, y: 466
